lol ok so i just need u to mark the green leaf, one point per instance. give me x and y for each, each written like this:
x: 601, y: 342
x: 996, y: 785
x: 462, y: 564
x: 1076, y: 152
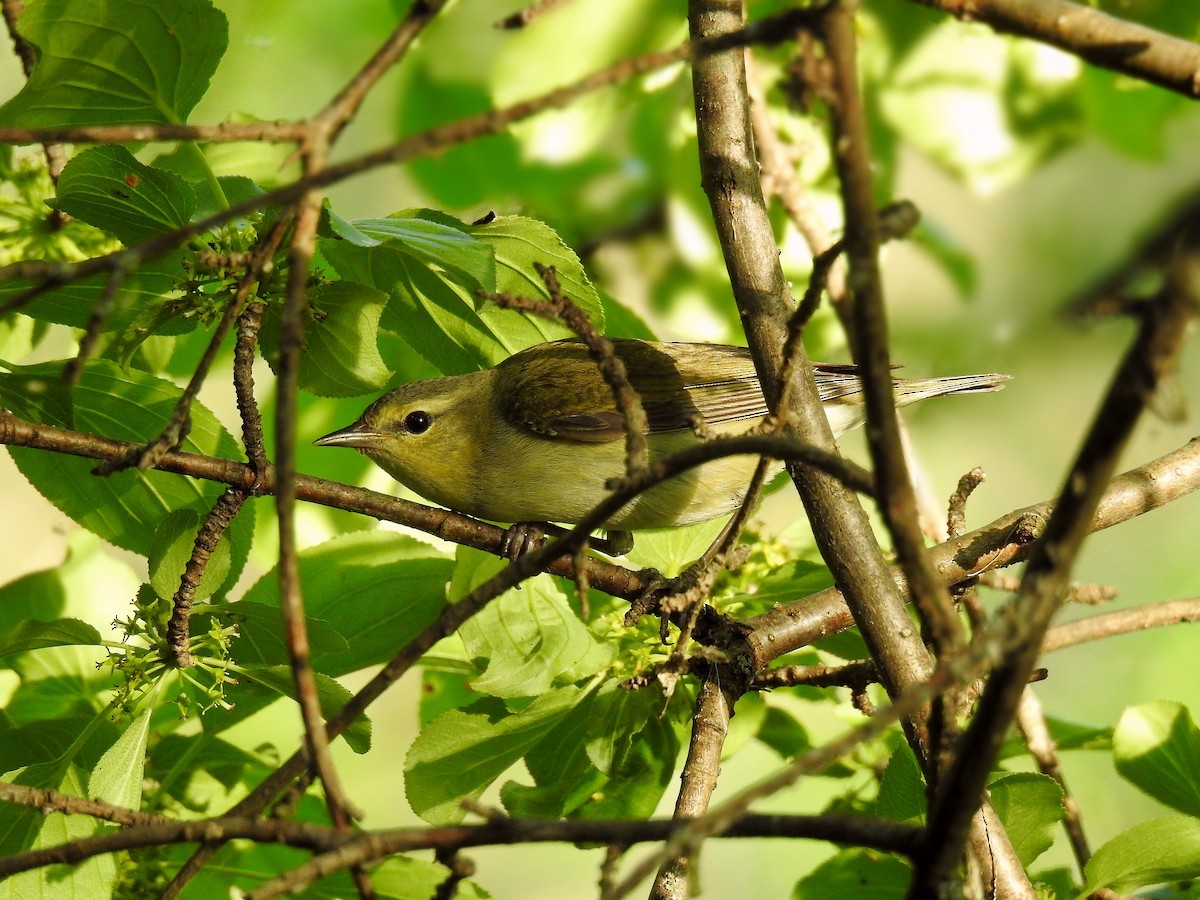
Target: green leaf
x: 434, y: 308
x: 103, y: 63
x: 671, y: 550
x: 117, y: 778
x: 1166, y: 849
x: 260, y: 633
x: 788, y: 583
x: 463, y: 751
x: 179, y: 761
x: 784, y: 733
x: 404, y: 878
x: 637, y: 783
x: 32, y: 634
x: 1157, y: 747
x: 438, y: 243
x: 341, y: 350
x: 519, y: 242
x: 29, y: 829
x: 377, y: 589
x: 331, y: 696
x: 107, y: 187
x: 171, y: 550
x: 956, y: 261
x: 145, y: 302
x: 1067, y: 736
x: 617, y: 715
x: 902, y: 789
x: 856, y: 875
x: 46, y: 740
x: 126, y: 508
x: 1030, y: 806
x: 1131, y: 115
x: 563, y: 776
x: 528, y: 639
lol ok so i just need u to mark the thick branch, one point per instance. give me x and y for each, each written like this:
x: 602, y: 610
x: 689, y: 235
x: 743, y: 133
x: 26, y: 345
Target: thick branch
x: 1101, y: 39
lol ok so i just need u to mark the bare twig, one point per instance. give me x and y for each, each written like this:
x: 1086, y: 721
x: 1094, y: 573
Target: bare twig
x: 1032, y: 723
x: 1124, y: 621
x: 526, y: 15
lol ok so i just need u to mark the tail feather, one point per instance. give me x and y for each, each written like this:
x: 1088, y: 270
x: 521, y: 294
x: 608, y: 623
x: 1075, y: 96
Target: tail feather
x: 910, y: 391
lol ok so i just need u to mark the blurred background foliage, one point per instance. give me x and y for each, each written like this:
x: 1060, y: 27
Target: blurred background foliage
x: 1036, y: 176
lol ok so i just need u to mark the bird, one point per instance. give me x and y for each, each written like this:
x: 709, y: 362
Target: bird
x: 538, y: 437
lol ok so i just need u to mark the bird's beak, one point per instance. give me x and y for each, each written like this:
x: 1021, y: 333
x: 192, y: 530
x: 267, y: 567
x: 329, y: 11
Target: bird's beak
x: 358, y: 435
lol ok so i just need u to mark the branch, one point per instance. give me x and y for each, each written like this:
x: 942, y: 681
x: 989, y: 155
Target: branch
x: 1151, y: 359
x: 1103, y: 40
x: 1125, y: 621
x: 897, y: 500
x: 1003, y: 542
x: 442, y: 523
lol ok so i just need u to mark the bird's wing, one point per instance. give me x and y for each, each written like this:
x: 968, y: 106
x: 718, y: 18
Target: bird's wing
x: 557, y: 390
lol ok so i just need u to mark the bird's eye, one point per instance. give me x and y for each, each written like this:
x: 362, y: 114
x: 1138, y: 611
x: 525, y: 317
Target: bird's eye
x: 417, y: 422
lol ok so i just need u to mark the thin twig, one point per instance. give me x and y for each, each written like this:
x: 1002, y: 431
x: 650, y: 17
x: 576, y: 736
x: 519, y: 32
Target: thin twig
x: 525, y: 16
x: 1032, y: 723
x: 869, y: 338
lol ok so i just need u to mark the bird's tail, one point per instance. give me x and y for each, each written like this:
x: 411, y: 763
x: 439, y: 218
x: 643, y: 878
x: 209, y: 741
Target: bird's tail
x: 912, y: 390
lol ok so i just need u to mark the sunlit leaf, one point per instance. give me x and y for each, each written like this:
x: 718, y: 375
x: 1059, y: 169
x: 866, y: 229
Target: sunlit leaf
x: 102, y: 63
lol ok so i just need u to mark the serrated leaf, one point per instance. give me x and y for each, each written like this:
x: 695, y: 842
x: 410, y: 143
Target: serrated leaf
x: 341, y: 353
x: 437, y: 243
x: 463, y: 751
x: 32, y: 634
x: 563, y: 775
x: 1157, y: 747
x: 617, y: 716
x: 171, y: 550
x: 125, y: 508
x: 435, y: 310
x: 519, y: 242
x: 103, y: 63
x: 528, y: 639
x: 1166, y: 849
x: 636, y: 785
x: 377, y: 589
x: 1030, y: 806
x: 108, y: 188
x: 331, y: 696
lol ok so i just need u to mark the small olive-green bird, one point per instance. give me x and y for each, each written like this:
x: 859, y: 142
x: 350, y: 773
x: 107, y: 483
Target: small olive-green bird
x: 536, y: 438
